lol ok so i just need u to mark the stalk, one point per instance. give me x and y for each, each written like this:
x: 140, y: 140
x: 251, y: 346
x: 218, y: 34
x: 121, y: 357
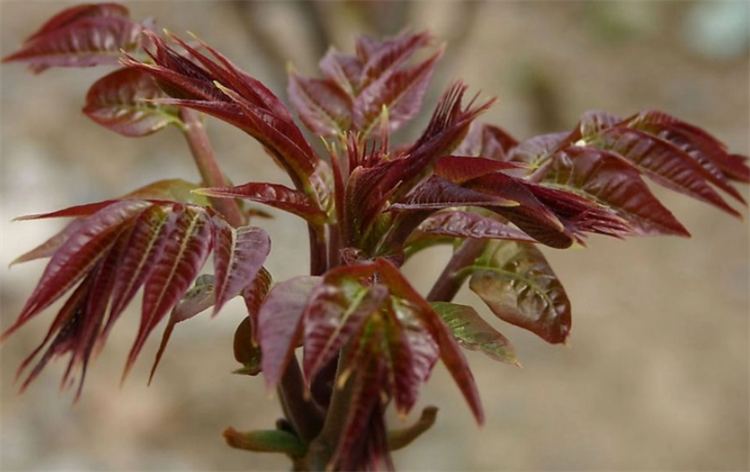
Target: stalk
x: 205, y: 160
x: 449, y: 283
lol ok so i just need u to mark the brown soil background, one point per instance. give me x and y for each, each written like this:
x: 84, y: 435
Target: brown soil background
x: 657, y: 373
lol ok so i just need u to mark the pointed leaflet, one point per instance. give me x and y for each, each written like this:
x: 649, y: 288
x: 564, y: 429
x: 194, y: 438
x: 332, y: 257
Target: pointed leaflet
x: 77, y: 13
x: 50, y: 246
x: 199, y: 298
x: 474, y: 333
x: 322, y: 106
x: 184, y: 253
x: 399, y: 92
x: 120, y: 102
x: 708, y: 151
x: 280, y: 324
x: 335, y: 310
x: 382, y: 57
x: 465, y: 224
x: 411, y: 353
x: 459, y: 169
x: 353, y: 450
x: 536, y: 150
x: 450, y: 353
x: 608, y: 179
x: 77, y: 256
x: 239, y: 254
x: 144, y: 247
x: 370, y: 187
x: 87, y: 42
x: 344, y: 70
x: 518, y: 285
x: 275, y: 195
x: 437, y: 193
x: 222, y: 90
x: 531, y: 215
x: 663, y: 162
x: 64, y: 328
x: 579, y: 214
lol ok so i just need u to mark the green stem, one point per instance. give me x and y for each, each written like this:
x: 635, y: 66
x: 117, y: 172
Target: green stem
x: 448, y: 284
x: 205, y: 160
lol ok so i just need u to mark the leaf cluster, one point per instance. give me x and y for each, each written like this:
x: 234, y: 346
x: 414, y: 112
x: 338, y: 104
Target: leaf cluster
x: 367, y: 337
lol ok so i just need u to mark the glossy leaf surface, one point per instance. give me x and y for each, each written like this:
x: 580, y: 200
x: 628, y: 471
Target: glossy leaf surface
x: 474, y: 333
x: 518, y: 285
x: 120, y: 102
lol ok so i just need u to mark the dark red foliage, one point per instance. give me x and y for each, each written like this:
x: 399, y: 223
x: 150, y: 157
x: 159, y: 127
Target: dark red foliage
x: 368, y: 338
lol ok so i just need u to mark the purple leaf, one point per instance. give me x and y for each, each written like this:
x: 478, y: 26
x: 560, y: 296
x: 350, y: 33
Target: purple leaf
x: 275, y: 195
x: 120, y: 102
x: 239, y: 254
x: 709, y: 152
x: 450, y: 353
x: 466, y: 224
x: 322, y: 106
x: 663, y: 162
x: 400, y: 92
x: 608, y: 179
x: 185, y: 251
x: 280, y: 324
x: 89, y: 41
x: 518, y: 285
x: 76, y: 257
x: 337, y: 307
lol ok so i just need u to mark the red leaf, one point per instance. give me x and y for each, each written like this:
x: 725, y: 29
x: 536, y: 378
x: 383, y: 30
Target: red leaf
x: 709, y: 152
x: 466, y: 224
x: 518, y: 285
x: 365, y: 418
x: 459, y: 169
x: 663, y: 162
x: 145, y: 244
x: 222, y: 90
x: 184, y: 253
x: 275, y: 195
x: 450, y: 353
x: 531, y: 215
x: 239, y: 254
x: 412, y: 353
x: 79, y: 12
x: 335, y: 310
x: 199, y: 298
x: 322, y: 106
x: 50, y: 246
x: 436, y: 194
x: 77, y: 256
x: 485, y: 140
x: 90, y: 41
x: 255, y: 294
x: 382, y: 57
x: 280, y: 324
x: 400, y: 92
x: 608, y: 179
x: 343, y: 69
x: 580, y: 214
x: 120, y: 102
x: 536, y: 150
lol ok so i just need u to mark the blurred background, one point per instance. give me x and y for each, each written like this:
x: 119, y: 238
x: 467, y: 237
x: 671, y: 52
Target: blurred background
x: 656, y: 375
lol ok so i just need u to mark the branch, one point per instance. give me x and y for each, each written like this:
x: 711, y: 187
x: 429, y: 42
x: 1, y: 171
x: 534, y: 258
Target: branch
x: 205, y: 160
